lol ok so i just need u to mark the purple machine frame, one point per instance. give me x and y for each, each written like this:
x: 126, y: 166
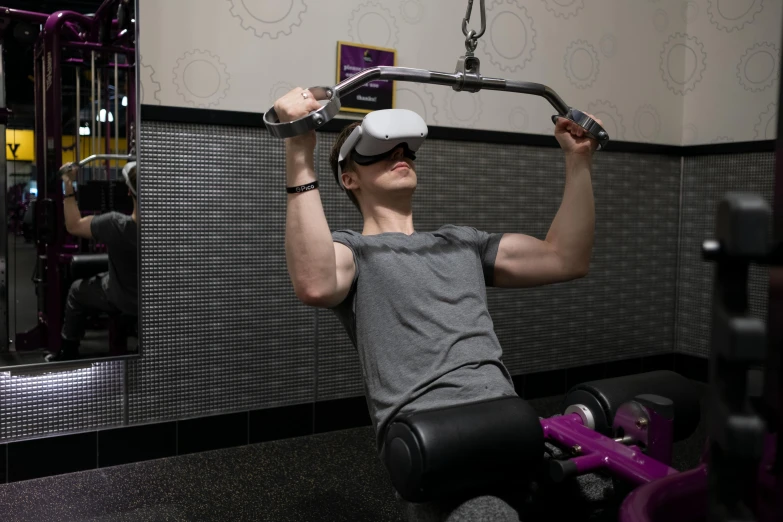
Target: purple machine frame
x: 102, y: 35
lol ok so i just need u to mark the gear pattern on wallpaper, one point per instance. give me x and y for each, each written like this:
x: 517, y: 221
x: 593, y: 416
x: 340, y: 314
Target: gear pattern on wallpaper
x: 271, y: 25
x: 186, y: 91
x: 729, y: 22
x: 690, y: 133
x: 564, y: 8
x: 422, y: 100
x: 766, y: 128
x: 278, y: 90
x: 509, y: 11
x: 412, y: 11
x: 612, y: 120
x: 759, y: 67
x: 608, y: 45
x: 647, y: 115
x: 677, y: 81
x: 148, y: 79
x: 518, y: 119
x: 690, y: 11
x: 371, y: 8
x: 661, y: 20
x: 580, y: 50
x: 453, y: 97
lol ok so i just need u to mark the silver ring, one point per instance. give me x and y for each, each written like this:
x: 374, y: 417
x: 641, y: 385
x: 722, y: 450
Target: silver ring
x: 304, y: 94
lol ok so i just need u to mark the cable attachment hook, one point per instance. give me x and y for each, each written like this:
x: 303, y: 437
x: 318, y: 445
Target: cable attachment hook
x: 471, y: 37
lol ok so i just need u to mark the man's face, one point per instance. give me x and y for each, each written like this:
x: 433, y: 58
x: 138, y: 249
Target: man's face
x: 393, y: 174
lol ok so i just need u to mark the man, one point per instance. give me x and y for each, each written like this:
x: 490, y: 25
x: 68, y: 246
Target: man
x: 414, y: 303
x: 114, y: 292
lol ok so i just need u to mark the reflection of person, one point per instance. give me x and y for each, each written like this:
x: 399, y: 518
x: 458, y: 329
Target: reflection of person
x: 114, y: 292
x: 414, y: 304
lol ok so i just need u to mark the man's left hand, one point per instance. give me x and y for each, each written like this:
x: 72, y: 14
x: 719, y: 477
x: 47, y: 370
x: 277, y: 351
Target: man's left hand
x: 573, y: 139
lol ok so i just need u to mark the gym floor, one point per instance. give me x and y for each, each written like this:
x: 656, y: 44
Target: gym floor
x: 331, y: 476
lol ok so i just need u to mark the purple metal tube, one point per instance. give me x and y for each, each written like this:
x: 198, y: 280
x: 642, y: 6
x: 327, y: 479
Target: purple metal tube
x: 589, y: 463
x: 53, y: 148
x: 104, y: 12
x: 644, y: 424
x: 624, y: 461
x: 677, y: 498
x: 98, y: 47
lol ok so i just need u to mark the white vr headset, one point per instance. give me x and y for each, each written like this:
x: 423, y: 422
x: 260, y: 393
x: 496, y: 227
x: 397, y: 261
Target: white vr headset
x: 380, y: 133
x: 125, y: 172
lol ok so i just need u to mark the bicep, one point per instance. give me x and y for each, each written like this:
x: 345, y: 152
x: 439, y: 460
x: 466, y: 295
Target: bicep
x: 524, y: 261
x: 83, y: 228
x: 345, y: 272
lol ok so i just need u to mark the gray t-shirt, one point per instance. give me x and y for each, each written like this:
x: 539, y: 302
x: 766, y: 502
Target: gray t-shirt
x: 417, y: 314
x: 118, y: 232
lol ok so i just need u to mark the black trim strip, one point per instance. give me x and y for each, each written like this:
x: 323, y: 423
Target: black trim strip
x: 254, y: 119
x: 742, y: 147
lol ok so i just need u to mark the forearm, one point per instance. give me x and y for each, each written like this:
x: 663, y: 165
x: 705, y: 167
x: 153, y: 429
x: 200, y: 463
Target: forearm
x: 572, y: 230
x: 70, y: 209
x: 308, y: 241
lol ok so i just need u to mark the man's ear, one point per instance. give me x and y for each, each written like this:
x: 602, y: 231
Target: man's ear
x: 349, y: 180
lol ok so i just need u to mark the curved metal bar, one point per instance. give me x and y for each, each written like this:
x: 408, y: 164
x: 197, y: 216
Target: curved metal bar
x: 102, y: 157
x: 471, y: 81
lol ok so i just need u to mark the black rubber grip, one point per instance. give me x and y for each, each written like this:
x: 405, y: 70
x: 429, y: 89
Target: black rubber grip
x: 560, y: 470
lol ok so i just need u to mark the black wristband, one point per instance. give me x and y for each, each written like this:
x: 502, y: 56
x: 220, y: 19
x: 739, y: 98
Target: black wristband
x: 302, y: 188
x: 71, y: 195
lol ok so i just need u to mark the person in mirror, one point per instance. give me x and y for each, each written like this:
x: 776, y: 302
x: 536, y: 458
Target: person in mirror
x: 414, y: 303
x: 114, y: 292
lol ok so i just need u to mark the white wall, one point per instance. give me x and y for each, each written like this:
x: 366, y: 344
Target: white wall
x: 731, y: 70
x: 660, y: 71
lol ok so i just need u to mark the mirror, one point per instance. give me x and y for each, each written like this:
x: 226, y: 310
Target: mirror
x: 69, y: 282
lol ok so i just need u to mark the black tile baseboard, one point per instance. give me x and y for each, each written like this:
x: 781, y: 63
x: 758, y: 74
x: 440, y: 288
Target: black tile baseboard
x: 692, y: 367
x: 545, y: 384
x: 580, y: 374
x: 341, y: 414
x: 624, y: 367
x: 658, y: 362
x: 38, y: 458
x: 68, y: 453
x: 212, y: 433
x: 3, y: 463
x: 281, y: 423
x: 136, y: 444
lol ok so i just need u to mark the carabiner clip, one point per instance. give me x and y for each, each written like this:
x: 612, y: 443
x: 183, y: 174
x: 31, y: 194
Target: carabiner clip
x: 467, y: 19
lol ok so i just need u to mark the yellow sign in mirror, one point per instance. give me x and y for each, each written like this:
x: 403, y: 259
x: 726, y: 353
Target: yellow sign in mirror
x: 20, y: 146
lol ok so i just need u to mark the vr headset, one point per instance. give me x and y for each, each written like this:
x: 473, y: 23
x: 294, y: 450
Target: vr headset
x: 379, y: 134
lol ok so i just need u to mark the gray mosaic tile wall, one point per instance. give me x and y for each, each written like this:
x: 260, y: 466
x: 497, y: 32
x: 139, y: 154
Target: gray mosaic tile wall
x: 705, y: 181
x: 34, y: 404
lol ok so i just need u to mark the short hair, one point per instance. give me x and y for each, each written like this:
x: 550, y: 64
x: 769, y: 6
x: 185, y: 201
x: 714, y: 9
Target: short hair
x: 335, y: 154
x: 132, y: 179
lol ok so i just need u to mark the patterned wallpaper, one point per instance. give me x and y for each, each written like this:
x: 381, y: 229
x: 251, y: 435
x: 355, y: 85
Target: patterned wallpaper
x: 659, y: 71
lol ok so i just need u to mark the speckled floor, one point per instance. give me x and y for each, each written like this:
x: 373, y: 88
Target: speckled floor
x: 333, y: 476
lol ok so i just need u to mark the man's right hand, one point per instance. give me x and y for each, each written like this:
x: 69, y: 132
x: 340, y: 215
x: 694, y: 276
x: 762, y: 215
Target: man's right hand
x: 296, y: 104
